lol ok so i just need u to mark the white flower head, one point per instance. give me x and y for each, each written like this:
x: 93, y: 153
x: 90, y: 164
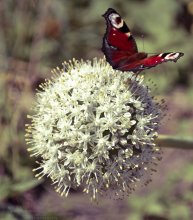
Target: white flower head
x: 93, y: 127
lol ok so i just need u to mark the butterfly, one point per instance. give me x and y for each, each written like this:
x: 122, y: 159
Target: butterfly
x: 121, y: 51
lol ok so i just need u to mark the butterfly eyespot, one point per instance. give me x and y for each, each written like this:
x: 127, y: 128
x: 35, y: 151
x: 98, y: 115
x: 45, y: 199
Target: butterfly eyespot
x: 116, y: 20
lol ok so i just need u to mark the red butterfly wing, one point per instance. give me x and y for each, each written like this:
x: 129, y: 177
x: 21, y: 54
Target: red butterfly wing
x: 149, y: 62
x: 121, y: 59
x: 120, y: 47
x: 118, y: 43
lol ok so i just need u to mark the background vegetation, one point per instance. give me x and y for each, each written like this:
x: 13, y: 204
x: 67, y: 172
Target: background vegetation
x: 36, y: 36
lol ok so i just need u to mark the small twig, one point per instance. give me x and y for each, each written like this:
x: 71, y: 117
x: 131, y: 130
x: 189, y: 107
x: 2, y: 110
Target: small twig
x: 174, y: 142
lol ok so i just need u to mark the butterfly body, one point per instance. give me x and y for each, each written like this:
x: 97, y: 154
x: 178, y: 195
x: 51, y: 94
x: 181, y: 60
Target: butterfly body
x: 121, y: 51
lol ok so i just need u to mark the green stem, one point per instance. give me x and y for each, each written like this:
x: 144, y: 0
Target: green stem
x: 174, y: 142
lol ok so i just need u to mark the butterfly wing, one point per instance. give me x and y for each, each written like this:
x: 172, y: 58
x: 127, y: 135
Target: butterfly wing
x: 123, y: 60
x: 149, y: 62
x: 118, y: 42
x: 120, y: 48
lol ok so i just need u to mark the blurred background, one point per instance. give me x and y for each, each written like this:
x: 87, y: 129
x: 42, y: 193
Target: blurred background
x: 37, y: 36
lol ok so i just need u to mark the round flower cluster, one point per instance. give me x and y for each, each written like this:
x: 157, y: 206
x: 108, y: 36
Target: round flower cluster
x: 94, y: 128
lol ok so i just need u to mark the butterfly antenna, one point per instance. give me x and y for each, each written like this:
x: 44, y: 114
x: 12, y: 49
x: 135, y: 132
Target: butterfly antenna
x: 142, y: 36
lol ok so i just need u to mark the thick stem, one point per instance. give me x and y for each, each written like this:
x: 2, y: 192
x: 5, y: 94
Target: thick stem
x: 174, y: 142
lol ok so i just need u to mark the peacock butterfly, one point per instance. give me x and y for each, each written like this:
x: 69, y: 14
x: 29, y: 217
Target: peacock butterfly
x: 121, y: 51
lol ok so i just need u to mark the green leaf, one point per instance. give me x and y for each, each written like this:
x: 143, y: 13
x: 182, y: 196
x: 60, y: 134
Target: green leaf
x: 188, y: 174
x: 7, y: 216
x: 181, y: 211
x: 14, y: 213
x: 188, y: 196
x: 135, y: 216
x: 155, y: 208
x: 25, y: 185
x: 5, y: 187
